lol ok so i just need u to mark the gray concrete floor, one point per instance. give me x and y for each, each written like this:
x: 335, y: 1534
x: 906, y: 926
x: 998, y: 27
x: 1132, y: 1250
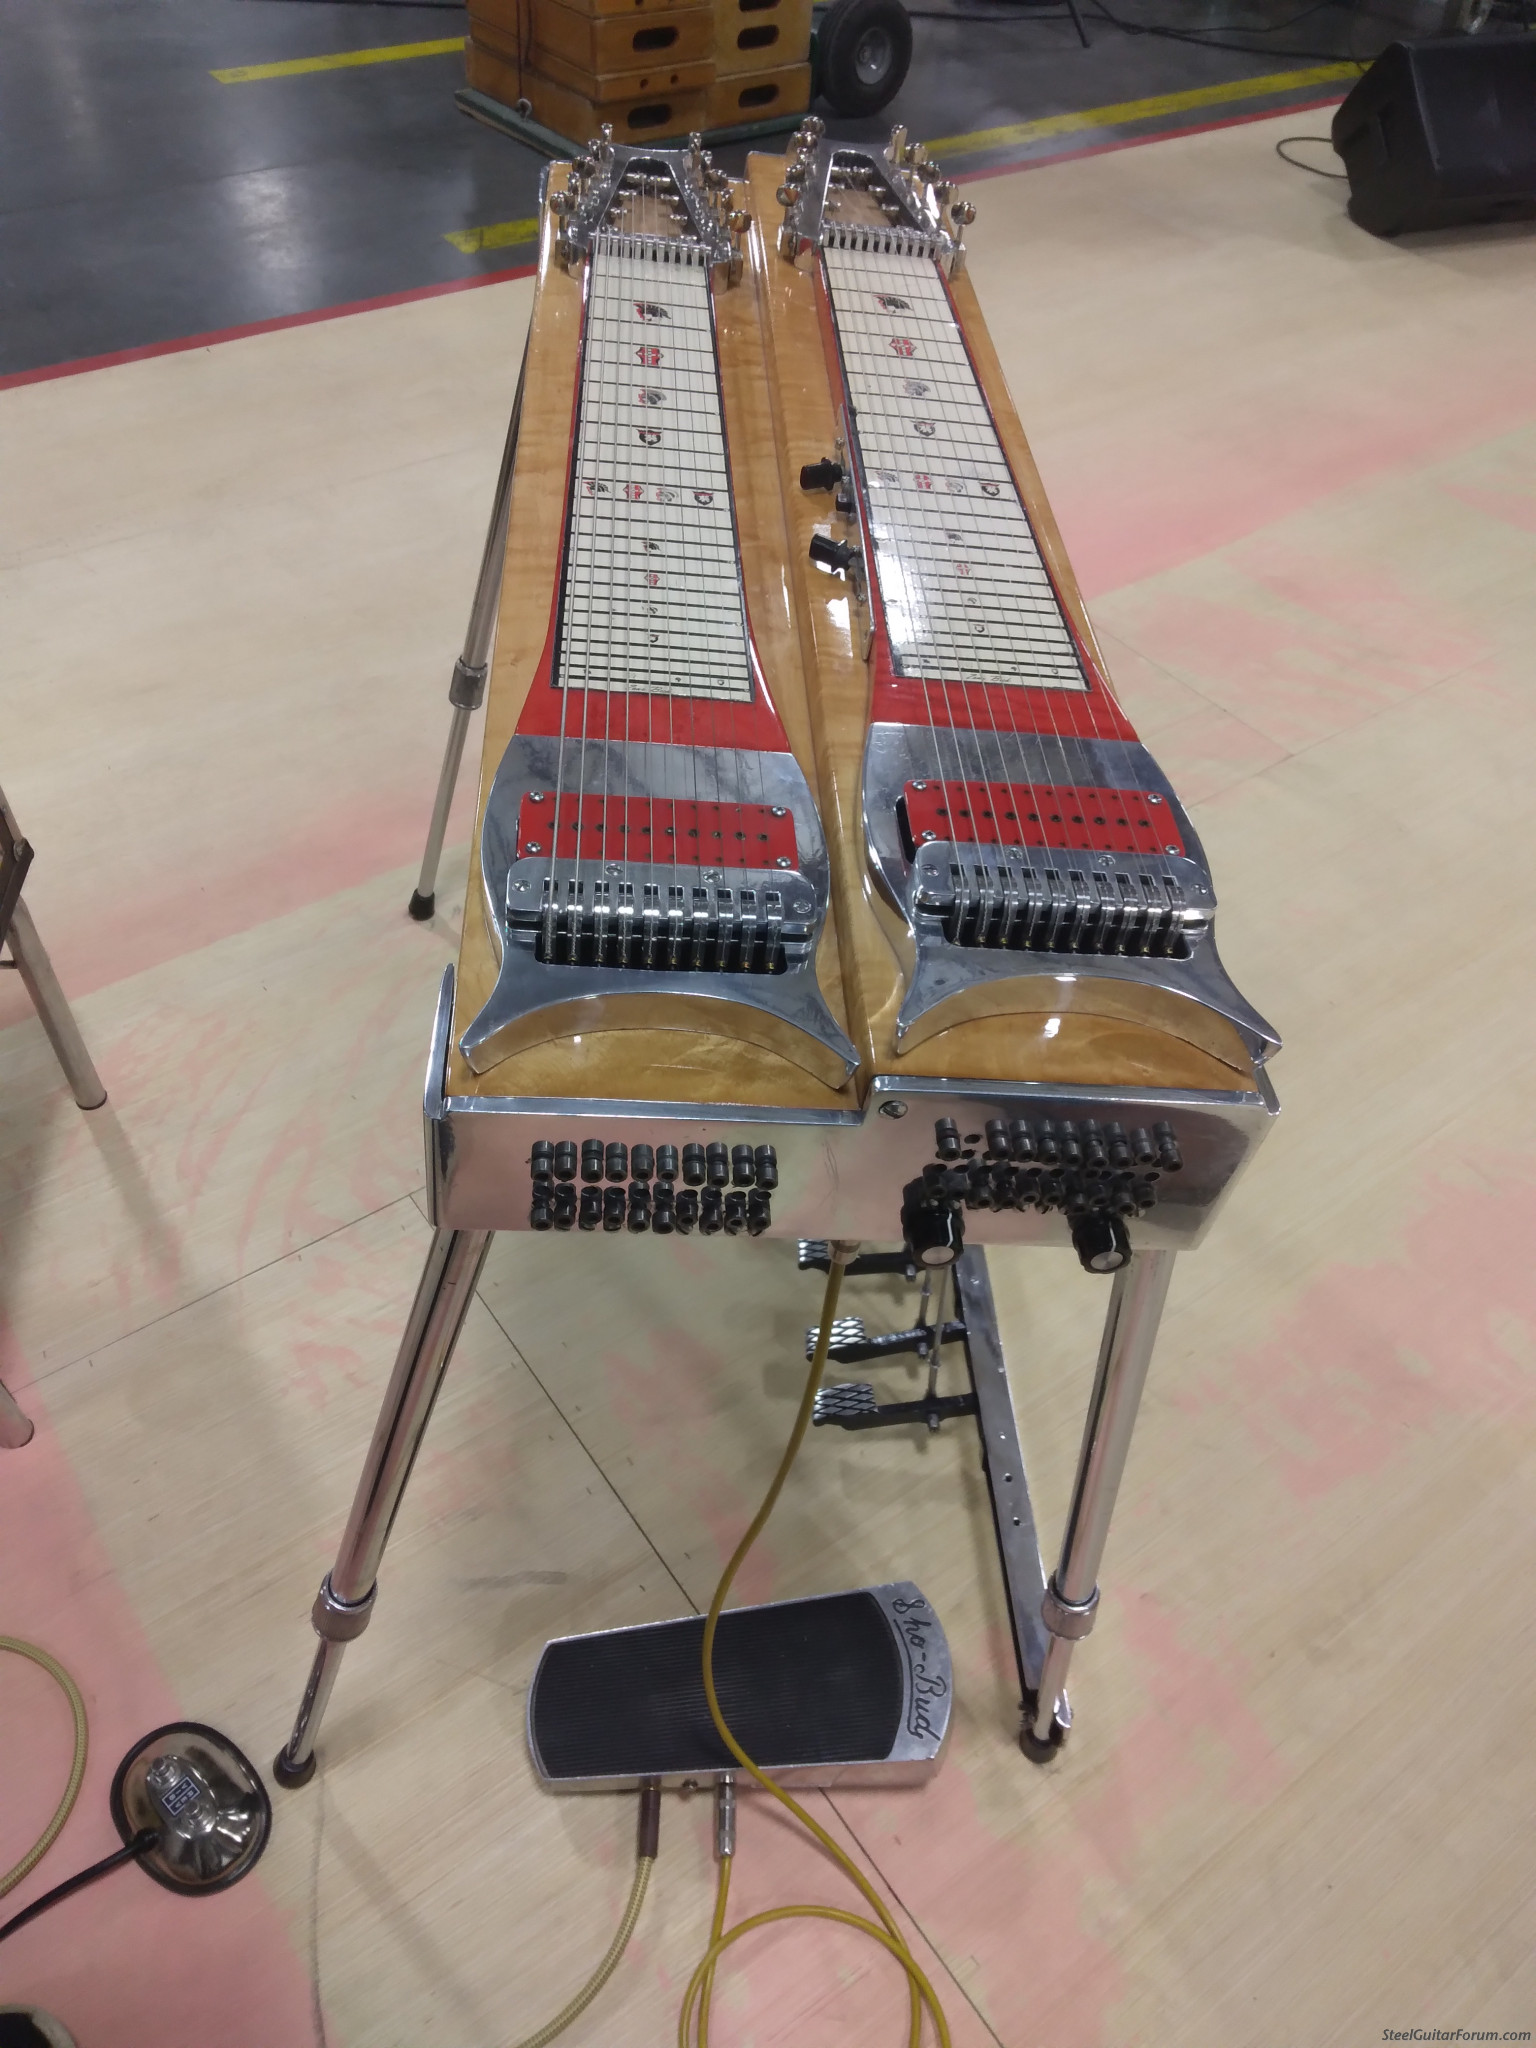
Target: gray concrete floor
x: 142, y: 201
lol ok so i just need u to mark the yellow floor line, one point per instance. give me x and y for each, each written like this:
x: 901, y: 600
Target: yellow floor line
x: 500, y: 235
x: 389, y: 53
x: 1142, y: 110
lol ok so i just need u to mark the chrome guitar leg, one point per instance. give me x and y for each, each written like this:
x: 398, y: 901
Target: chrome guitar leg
x: 1072, y: 1596
x: 466, y: 690
x: 344, y: 1605
x: 42, y: 985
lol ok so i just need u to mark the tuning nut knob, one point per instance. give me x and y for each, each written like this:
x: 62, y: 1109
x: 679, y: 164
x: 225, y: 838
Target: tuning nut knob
x: 962, y: 213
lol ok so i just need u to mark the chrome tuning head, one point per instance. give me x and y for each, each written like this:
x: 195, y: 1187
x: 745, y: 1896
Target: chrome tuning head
x: 961, y: 214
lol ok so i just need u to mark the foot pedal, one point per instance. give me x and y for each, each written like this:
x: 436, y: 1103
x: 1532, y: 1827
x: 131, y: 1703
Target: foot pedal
x: 848, y: 1404
x: 846, y: 1331
x: 852, y: 1405
x: 845, y: 1689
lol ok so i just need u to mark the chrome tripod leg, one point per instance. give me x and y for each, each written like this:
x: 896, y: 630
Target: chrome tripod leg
x: 466, y: 690
x: 344, y: 1605
x: 1072, y: 1596
x: 42, y: 985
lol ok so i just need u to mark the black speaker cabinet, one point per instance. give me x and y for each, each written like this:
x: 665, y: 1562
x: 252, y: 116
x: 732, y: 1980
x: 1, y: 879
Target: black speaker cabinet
x: 1442, y: 133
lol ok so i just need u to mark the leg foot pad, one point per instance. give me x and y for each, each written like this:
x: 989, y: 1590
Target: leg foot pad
x: 292, y: 1776
x: 1037, y: 1750
x: 421, y: 906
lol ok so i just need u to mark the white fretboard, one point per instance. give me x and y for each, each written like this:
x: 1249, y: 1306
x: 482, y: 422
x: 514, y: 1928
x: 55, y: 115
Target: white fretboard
x: 652, y: 601
x: 966, y: 595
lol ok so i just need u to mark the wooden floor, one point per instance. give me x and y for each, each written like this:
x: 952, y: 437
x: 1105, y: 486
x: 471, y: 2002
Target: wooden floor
x: 1297, y: 470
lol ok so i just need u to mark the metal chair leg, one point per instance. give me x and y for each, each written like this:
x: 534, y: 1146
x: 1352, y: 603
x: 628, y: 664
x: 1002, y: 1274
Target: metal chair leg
x: 1072, y: 1596
x: 15, y: 1427
x: 344, y: 1605
x: 42, y: 985
x: 466, y: 690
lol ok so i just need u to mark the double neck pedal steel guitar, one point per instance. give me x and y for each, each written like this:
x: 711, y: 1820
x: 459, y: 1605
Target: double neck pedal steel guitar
x: 821, y: 888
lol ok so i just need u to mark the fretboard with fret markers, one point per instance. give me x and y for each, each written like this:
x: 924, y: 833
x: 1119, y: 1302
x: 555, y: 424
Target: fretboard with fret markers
x: 965, y: 593
x: 652, y: 602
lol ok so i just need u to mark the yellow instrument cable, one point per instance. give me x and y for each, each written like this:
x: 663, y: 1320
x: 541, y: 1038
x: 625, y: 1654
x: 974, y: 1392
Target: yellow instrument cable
x: 65, y: 1807
x: 694, y: 2019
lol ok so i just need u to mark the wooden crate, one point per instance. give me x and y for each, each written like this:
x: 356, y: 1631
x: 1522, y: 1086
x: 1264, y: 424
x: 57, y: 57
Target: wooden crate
x: 606, y: 89
x: 603, y: 45
x: 491, y: 63
x: 510, y: 16
x: 761, y: 35
x: 756, y: 95
x: 639, y: 117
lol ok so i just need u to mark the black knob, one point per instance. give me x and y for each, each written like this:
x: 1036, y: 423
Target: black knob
x: 540, y: 1216
x: 687, y: 1210
x: 742, y: 1168
x: 639, y: 1217
x: 1117, y: 1146
x: 1071, y: 1149
x: 766, y: 1160
x: 711, y: 1212
x: 693, y: 1165
x: 1047, y: 1151
x: 1143, y: 1149
x: 1095, y: 1152
x: 591, y: 1214
x: 591, y: 1158
x: 717, y: 1165
x: 946, y: 1138
x: 759, y: 1213
x: 642, y: 1162
x: 735, y: 1212
x: 934, y: 1233
x: 542, y: 1159
x: 613, y: 1208
x: 666, y: 1162
x: 827, y: 553
x: 997, y: 1138
x: 1100, y: 1242
x: 565, y: 1160
x: 1169, y: 1158
x: 565, y: 1206
x: 663, y: 1216
x: 616, y: 1162
x: 820, y: 476
x: 1021, y: 1139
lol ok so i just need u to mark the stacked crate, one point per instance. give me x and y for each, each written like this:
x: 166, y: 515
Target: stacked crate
x: 762, y: 60
x: 655, y: 69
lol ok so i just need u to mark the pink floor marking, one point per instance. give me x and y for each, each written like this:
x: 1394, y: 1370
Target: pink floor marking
x: 1212, y: 469
x: 1372, y: 1356
x: 126, y: 1964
